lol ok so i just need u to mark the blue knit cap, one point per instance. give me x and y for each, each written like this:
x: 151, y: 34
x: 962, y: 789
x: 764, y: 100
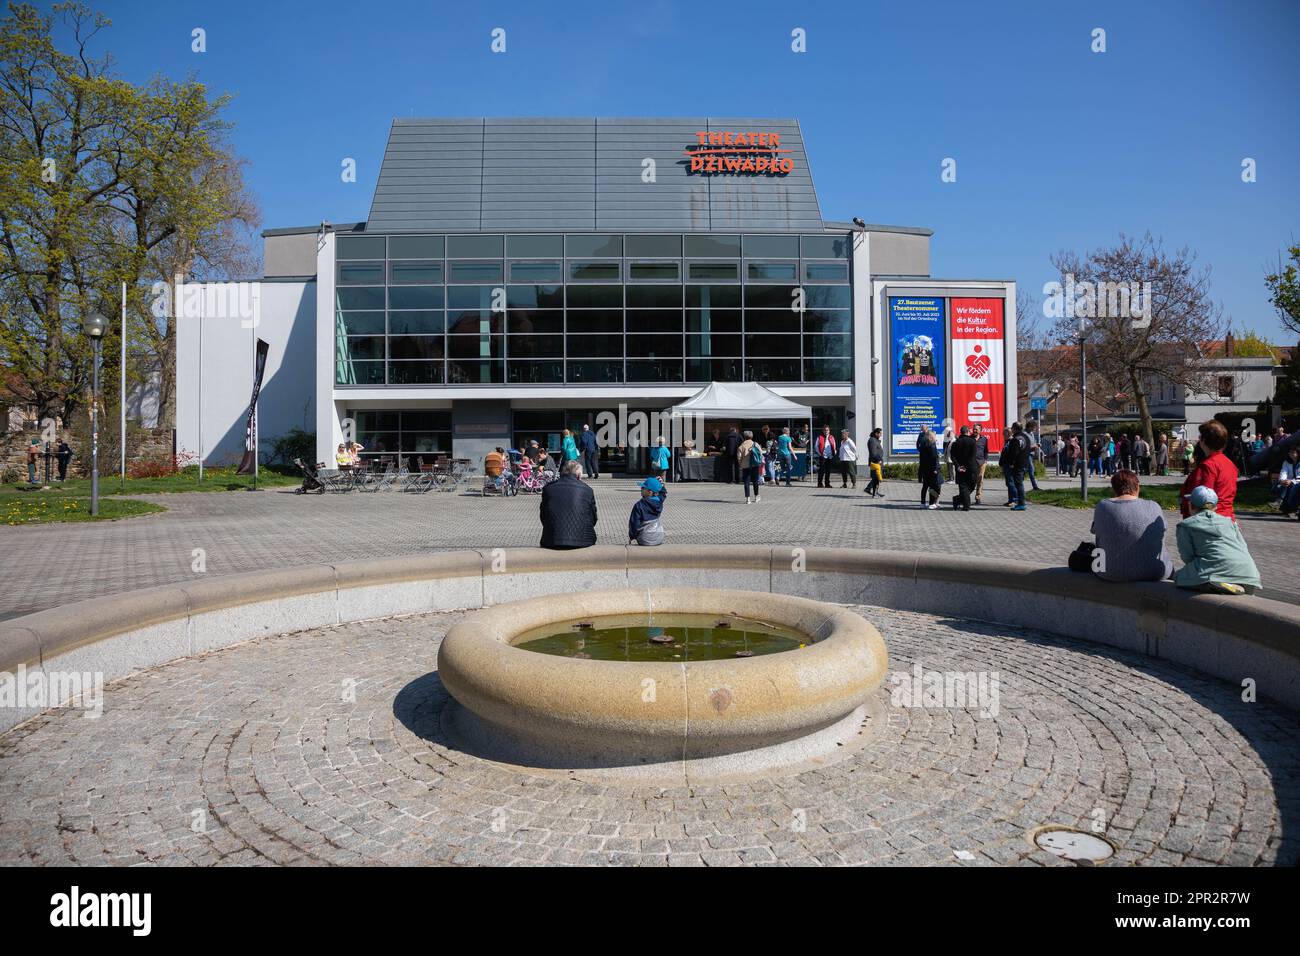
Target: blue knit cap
x: 1203, y: 497
x: 653, y: 485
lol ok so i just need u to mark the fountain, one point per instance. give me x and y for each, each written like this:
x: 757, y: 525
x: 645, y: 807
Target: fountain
x: 684, y: 682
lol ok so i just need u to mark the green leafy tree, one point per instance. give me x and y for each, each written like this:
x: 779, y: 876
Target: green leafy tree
x: 1284, y: 290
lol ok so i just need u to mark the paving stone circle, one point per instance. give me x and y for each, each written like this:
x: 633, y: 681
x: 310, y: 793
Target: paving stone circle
x: 323, y: 747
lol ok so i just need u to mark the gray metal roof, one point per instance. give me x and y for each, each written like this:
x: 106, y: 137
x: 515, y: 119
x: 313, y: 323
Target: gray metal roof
x: 492, y: 174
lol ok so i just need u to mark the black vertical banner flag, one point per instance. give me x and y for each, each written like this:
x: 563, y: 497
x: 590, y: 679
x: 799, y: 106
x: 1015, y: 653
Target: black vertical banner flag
x: 249, y: 463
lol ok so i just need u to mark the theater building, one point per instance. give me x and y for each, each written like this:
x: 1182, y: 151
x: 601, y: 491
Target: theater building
x: 518, y: 276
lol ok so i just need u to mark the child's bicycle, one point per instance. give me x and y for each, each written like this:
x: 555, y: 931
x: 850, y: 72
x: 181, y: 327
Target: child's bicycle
x: 533, y: 479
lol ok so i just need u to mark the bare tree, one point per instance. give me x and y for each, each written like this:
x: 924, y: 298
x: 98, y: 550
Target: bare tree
x: 1147, y: 314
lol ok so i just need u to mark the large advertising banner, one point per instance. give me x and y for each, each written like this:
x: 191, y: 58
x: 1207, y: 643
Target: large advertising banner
x: 978, y: 366
x: 916, y: 392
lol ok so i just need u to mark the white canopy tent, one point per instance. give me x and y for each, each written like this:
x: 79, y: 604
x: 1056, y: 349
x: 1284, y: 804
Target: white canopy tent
x: 739, y: 400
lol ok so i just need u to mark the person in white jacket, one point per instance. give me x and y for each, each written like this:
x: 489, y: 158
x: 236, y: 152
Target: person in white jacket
x: 848, y: 461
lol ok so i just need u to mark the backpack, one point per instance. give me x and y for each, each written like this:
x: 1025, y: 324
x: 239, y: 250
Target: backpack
x: 755, y: 456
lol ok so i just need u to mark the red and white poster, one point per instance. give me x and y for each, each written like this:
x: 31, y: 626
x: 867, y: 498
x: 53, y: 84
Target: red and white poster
x: 978, y: 366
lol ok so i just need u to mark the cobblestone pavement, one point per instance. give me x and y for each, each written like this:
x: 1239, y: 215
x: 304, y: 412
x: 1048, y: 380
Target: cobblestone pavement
x: 253, y: 755
x: 48, y: 565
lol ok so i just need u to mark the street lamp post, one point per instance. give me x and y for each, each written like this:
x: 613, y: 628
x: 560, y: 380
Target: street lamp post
x: 95, y: 327
x: 1083, y: 410
x: 1056, y: 405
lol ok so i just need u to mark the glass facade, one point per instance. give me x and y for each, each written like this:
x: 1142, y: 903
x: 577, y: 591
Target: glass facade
x: 487, y: 309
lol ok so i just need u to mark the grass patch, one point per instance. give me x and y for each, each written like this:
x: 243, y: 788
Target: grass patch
x: 186, y: 480
x: 1251, y: 496
x: 39, y: 507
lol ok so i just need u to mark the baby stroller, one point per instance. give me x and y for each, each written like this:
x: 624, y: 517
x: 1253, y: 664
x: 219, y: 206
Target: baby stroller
x: 310, y: 480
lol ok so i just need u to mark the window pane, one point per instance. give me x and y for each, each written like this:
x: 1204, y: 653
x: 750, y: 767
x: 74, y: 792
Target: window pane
x: 594, y: 321
x: 361, y: 273
x: 824, y: 247
x: 470, y: 297
x: 770, y: 296
x: 417, y: 323
x: 771, y: 320
x: 772, y: 370
x: 368, y: 298
x: 713, y: 320
x: 529, y: 321
x: 595, y: 345
x: 359, y: 247
x: 535, y: 346
x: 375, y: 421
x: 534, y: 373
x: 594, y: 371
x: 826, y: 271
x: 771, y: 247
x: 773, y: 271
x: 828, y: 370
x: 414, y: 373
x: 429, y: 420
x: 415, y: 297
x: 593, y: 246
x: 717, y: 247
x: 828, y: 320
x: 647, y: 346
x: 828, y: 297
x: 470, y: 322
x: 713, y: 370
x: 415, y: 247
x: 476, y: 373
x: 360, y: 323
x: 655, y: 320
x: 421, y: 273
x: 713, y: 270
x: 359, y: 373
x: 535, y: 272
x: 828, y: 346
x: 594, y: 296
x: 705, y: 346
x: 475, y: 247
x: 364, y: 347
x: 654, y: 270
x: 670, y: 246
x: 535, y: 296
x: 654, y: 296
x: 771, y: 345
x: 714, y: 296
x: 534, y: 247
x: 474, y: 272
x: 656, y: 371
x: 415, y: 347
x: 476, y: 346
x: 594, y: 271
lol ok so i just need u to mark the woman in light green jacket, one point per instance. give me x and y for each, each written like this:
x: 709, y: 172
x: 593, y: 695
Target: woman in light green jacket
x: 1215, y: 552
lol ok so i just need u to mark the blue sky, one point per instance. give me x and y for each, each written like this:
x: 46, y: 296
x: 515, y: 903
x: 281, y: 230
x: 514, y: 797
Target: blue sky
x: 1056, y: 146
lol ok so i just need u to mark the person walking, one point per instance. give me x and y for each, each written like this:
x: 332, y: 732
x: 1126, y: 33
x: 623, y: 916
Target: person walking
x: 568, y: 448
x: 733, y: 446
x: 1162, y: 455
x: 1142, y: 456
x: 33, y: 449
x: 929, y: 470
x: 568, y: 510
x: 750, y: 456
x: 1213, y: 549
x: 660, y: 459
x: 785, y: 452
x: 1189, y: 455
x: 590, y: 452
x: 965, y: 463
x: 1035, y: 455
x: 848, y: 461
x: 825, y: 452
x: 875, y: 463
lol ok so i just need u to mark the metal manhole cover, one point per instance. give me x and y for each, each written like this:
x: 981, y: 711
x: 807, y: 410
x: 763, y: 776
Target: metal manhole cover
x: 1074, y: 845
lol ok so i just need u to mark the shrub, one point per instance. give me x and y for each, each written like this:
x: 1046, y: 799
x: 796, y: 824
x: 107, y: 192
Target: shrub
x: 295, y: 443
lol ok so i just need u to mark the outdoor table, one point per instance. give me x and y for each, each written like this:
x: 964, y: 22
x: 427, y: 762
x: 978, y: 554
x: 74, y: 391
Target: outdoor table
x: 701, y: 468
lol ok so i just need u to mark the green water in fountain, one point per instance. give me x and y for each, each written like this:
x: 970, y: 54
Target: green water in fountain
x: 695, y: 637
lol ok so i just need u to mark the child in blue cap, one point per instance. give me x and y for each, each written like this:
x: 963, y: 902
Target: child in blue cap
x: 645, y: 526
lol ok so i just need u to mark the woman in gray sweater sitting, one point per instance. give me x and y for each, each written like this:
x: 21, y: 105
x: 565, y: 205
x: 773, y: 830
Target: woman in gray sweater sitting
x: 1130, y: 533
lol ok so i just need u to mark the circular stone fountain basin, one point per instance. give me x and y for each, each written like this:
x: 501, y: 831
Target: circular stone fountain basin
x: 649, y: 717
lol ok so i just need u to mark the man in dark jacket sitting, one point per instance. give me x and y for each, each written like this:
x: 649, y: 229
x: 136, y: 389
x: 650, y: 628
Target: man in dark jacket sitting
x: 568, y: 511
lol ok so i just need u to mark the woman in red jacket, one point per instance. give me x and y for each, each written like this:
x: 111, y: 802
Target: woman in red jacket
x: 1215, y: 471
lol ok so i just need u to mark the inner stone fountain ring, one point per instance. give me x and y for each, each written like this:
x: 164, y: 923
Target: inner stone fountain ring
x: 686, y: 720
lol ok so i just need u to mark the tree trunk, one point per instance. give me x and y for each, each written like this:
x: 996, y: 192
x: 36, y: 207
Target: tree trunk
x: 1144, y: 411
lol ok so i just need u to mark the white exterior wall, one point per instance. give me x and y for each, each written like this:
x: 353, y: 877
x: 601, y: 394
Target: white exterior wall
x: 214, y: 368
